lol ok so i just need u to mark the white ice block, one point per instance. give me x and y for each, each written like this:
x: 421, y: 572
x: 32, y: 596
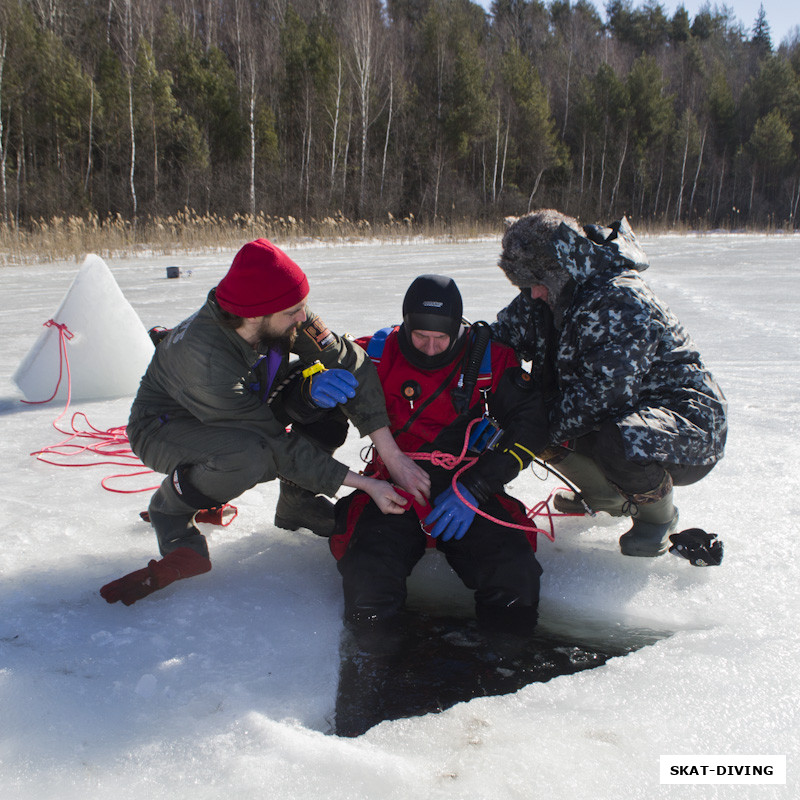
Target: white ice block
x: 110, y: 348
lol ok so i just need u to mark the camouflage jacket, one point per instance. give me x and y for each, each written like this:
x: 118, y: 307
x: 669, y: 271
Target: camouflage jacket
x: 619, y: 353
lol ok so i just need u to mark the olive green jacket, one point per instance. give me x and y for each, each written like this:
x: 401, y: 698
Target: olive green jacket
x: 206, y: 371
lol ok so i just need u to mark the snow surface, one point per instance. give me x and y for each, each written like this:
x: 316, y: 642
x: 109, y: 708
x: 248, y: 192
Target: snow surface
x: 224, y: 685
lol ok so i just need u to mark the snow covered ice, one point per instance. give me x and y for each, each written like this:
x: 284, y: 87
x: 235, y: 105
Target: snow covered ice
x: 224, y: 685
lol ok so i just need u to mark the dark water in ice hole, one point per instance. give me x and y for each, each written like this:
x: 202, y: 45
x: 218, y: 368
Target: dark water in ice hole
x: 437, y: 657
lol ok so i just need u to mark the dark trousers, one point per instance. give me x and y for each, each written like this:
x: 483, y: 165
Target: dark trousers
x: 607, y: 449
x: 222, y: 463
x: 498, y: 563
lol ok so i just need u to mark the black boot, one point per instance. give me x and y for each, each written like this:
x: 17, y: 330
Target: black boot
x: 173, y: 522
x: 172, y: 510
x: 301, y: 508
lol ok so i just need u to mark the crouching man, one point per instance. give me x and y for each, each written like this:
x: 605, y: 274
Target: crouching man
x: 632, y: 409
x: 209, y: 416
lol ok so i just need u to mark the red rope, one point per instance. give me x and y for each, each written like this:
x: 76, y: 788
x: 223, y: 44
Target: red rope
x: 542, y: 508
x: 450, y: 462
x: 111, y: 445
x: 64, y: 334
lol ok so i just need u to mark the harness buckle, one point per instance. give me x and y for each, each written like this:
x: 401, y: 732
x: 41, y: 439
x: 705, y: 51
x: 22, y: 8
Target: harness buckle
x: 485, y: 435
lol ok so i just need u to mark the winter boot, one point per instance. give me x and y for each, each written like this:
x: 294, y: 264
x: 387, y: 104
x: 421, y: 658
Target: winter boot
x: 595, y: 489
x: 172, y: 510
x: 300, y: 508
x: 654, y: 519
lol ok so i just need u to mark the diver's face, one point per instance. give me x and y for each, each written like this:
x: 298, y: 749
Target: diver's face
x: 431, y: 343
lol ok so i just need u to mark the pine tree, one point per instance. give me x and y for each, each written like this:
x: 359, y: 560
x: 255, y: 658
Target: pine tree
x: 761, y: 41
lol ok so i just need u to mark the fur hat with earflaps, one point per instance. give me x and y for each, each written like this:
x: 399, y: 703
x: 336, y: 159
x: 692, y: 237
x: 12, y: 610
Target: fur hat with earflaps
x: 547, y: 247
x: 529, y: 257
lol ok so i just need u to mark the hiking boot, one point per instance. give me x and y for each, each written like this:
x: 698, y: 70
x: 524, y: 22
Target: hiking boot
x: 301, y: 508
x: 594, y: 487
x: 654, y: 520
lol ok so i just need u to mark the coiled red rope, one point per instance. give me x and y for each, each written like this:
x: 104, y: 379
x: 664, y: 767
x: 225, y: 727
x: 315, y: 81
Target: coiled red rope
x: 451, y: 462
x: 110, y: 445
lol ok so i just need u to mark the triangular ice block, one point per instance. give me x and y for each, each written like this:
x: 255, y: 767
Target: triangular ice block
x: 110, y: 348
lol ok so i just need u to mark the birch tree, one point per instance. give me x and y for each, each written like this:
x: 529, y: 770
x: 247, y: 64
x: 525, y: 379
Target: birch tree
x: 688, y: 132
x: 128, y: 57
x: 335, y: 112
x: 364, y: 19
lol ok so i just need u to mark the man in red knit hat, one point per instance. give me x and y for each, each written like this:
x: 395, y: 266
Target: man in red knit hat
x: 214, y: 406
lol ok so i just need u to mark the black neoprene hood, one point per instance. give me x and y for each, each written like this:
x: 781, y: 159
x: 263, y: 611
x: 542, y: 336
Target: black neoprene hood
x: 432, y: 303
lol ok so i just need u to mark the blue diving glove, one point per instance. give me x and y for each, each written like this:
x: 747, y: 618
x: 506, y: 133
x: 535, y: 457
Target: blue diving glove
x: 450, y: 517
x: 331, y: 387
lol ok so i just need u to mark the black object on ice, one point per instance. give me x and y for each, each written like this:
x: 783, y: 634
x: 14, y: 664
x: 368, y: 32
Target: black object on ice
x: 427, y: 664
x: 700, y: 548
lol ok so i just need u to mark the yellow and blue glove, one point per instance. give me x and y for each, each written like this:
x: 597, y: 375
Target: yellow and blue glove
x: 330, y: 387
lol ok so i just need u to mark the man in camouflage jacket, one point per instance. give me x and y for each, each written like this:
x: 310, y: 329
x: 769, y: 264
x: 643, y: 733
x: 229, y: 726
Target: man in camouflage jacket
x: 632, y: 409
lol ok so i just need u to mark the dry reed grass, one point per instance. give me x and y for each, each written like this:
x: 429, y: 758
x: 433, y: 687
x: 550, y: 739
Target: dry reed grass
x: 67, y: 238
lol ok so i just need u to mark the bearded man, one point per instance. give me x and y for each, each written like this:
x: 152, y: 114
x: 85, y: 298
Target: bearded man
x: 221, y: 409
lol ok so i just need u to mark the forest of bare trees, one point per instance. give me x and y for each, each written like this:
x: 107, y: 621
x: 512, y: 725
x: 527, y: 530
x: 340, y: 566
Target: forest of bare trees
x: 427, y: 109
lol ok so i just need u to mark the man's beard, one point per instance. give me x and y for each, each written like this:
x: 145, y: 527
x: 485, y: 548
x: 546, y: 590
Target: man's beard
x: 283, y: 342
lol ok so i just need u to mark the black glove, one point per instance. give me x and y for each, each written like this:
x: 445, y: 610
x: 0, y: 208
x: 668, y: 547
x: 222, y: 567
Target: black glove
x: 290, y: 401
x: 699, y: 548
x: 493, y: 470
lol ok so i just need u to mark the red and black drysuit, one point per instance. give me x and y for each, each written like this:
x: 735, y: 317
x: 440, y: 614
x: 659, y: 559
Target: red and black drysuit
x: 376, y: 552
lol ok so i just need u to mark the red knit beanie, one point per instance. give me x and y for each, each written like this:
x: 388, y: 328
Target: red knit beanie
x: 261, y: 280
